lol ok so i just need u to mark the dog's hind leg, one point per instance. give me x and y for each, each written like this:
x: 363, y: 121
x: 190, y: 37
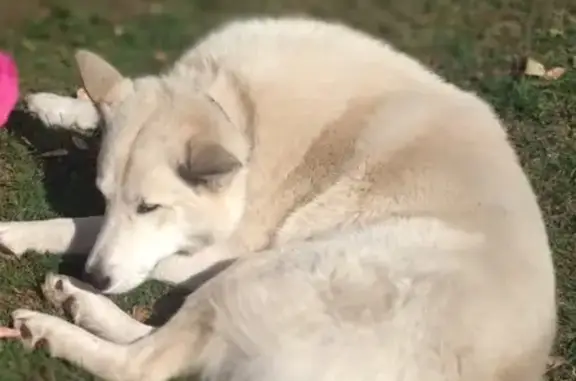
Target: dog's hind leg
x: 63, y: 112
x: 60, y: 235
x: 93, y: 311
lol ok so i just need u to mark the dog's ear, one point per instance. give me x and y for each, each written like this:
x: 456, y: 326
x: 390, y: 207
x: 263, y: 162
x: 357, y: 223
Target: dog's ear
x: 229, y: 94
x: 208, y: 164
x: 98, y: 76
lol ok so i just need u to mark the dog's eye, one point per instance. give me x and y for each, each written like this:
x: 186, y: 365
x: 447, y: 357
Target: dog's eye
x: 144, y: 208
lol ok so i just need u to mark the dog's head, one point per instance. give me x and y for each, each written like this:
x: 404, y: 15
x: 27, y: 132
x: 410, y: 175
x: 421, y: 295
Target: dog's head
x: 172, y: 166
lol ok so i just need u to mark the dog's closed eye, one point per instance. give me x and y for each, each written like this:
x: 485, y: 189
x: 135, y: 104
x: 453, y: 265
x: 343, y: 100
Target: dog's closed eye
x: 144, y: 208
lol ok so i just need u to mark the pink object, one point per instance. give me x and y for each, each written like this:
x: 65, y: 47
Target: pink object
x: 9, y: 333
x: 8, y: 86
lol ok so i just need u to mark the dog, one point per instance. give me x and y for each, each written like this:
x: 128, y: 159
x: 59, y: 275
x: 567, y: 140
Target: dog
x: 376, y: 221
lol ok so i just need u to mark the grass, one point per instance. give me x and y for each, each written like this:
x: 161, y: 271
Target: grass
x: 473, y: 43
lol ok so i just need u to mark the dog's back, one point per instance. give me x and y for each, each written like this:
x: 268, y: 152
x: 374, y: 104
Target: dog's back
x: 405, y: 242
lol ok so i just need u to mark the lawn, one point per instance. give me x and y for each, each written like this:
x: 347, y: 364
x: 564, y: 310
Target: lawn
x: 476, y: 44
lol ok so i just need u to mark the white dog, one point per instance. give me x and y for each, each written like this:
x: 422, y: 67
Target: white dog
x: 381, y: 225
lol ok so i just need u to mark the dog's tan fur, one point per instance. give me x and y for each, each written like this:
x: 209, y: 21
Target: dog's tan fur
x: 383, y: 226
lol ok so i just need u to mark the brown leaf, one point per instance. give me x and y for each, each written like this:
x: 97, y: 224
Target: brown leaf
x: 554, y: 73
x: 161, y: 56
x: 140, y: 313
x: 534, y: 68
x: 555, y: 362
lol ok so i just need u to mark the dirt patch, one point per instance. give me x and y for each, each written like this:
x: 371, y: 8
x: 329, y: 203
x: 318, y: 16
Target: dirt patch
x: 13, y: 13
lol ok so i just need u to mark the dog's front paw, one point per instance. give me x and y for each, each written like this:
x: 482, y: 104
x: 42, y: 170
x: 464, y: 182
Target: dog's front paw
x: 64, y: 112
x: 57, y: 289
x: 36, y: 329
x: 77, y: 299
x: 65, y: 292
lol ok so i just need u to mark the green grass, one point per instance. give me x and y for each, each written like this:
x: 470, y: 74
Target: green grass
x: 473, y: 43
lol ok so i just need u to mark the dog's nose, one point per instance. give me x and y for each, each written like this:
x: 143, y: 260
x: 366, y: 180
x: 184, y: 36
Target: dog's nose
x: 97, y: 279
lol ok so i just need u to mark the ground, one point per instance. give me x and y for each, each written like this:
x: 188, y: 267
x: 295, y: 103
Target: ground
x: 476, y: 44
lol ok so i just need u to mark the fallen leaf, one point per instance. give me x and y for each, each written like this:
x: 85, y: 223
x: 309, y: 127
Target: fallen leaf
x: 79, y: 143
x: 556, y: 32
x: 82, y: 94
x: 29, y: 45
x: 27, y: 142
x: 118, y: 30
x: 534, y: 68
x: 161, y: 56
x: 555, y: 362
x: 54, y: 153
x: 554, y: 73
x: 140, y: 313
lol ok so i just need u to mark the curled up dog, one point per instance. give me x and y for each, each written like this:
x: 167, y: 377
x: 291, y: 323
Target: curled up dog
x: 378, y: 220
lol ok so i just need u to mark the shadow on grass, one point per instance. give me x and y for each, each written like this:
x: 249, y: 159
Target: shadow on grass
x: 69, y: 173
x: 69, y: 176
